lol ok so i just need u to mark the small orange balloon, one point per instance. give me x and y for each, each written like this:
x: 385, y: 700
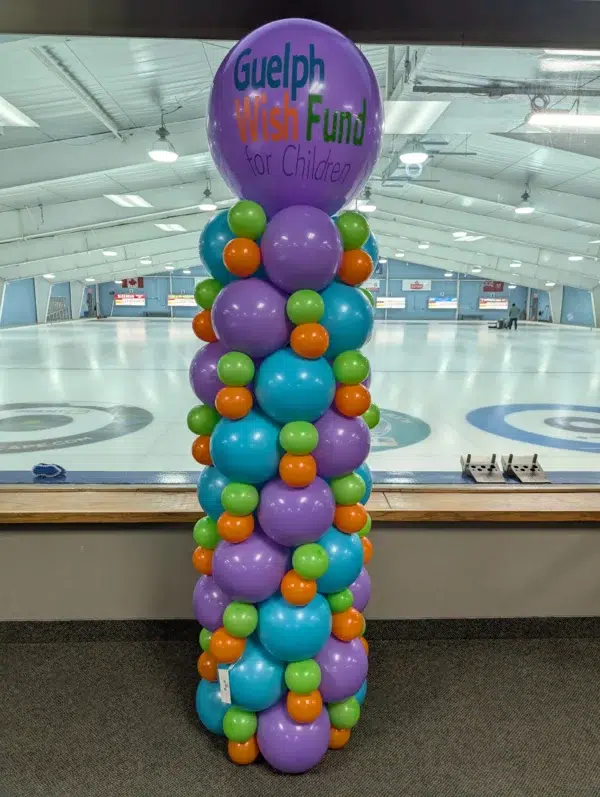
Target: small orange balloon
x: 356, y: 267
x: 297, y: 470
x: 201, y: 450
x: 233, y: 402
x: 365, y: 644
x: 367, y: 549
x: 242, y: 257
x: 207, y: 667
x: 350, y: 519
x: 226, y: 648
x: 296, y: 590
x: 202, y: 560
x: 309, y: 340
x: 304, y: 708
x: 347, y: 625
x: 235, y: 528
x: 338, y: 737
x: 243, y: 752
x: 352, y: 400
x: 202, y: 326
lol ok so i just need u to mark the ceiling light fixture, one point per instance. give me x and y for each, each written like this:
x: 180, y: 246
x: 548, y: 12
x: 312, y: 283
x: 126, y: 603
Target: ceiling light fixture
x: 575, y: 258
x: 128, y: 200
x: 424, y: 246
x: 525, y: 206
x: 563, y: 119
x: 399, y: 254
x: 163, y: 150
x: 550, y: 284
x: 13, y: 117
x: 470, y: 238
x: 48, y: 276
x: 460, y: 234
x: 515, y: 264
x: 415, y: 154
x: 90, y: 279
x: 476, y: 270
x: 366, y: 204
x: 169, y: 268
x: 383, y: 260
x: 573, y: 52
x: 208, y: 204
x: 118, y: 282
x: 448, y: 274
x: 186, y: 271
x: 511, y: 287
x: 170, y: 227
x: 597, y: 241
x: 146, y: 261
x: 109, y: 253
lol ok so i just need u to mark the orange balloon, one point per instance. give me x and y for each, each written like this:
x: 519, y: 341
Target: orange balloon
x: 352, y: 400
x: 367, y: 549
x: 207, y: 667
x: 235, y: 528
x: 226, y: 648
x: 309, y: 340
x: 233, y: 402
x: 304, y: 708
x: 201, y: 450
x: 347, y: 625
x: 242, y: 257
x: 297, y: 470
x: 202, y: 326
x: 356, y: 267
x: 365, y: 644
x: 202, y: 560
x: 350, y: 519
x: 338, y: 737
x: 243, y: 752
x: 296, y: 590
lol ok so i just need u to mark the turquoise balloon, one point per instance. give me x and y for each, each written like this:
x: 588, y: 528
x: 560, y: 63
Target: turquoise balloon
x: 348, y: 318
x: 213, y: 238
x: 210, y: 487
x: 365, y: 473
x: 291, y: 388
x: 247, y: 450
x: 294, y: 633
x: 210, y: 708
x: 371, y: 248
x: 256, y: 679
x: 345, y: 555
x: 362, y: 693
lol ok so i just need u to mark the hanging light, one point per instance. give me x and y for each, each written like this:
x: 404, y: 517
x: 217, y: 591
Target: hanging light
x: 414, y: 154
x: 366, y: 204
x: 207, y: 204
x: 163, y: 150
x: 525, y: 206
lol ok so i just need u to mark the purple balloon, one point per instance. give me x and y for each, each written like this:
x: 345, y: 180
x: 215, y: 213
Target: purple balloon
x: 343, y: 666
x: 301, y: 248
x: 249, y: 316
x: 343, y: 444
x: 293, y: 516
x: 209, y: 603
x: 250, y: 570
x: 289, y: 746
x: 295, y: 117
x: 361, y: 589
x: 203, y: 372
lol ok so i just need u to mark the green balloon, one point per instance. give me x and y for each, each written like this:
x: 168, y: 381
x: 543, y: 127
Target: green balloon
x: 364, y: 628
x: 240, y: 619
x: 351, y: 367
x: 202, y: 419
x: 239, y: 499
x: 369, y: 296
x: 372, y: 416
x: 303, y: 677
x: 206, y: 534
x: 205, y: 636
x: 239, y: 725
x: 305, y: 307
x: 340, y: 601
x: 206, y: 292
x: 348, y: 490
x: 235, y: 369
x: 247, y: 219
x: 344, y: 714
x: 366, y: 528
x: 299, y: 437
x: 310, y: 561
x: 354, y: 229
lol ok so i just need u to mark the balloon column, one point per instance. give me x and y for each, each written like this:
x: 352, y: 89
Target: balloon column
x: 295, y: 124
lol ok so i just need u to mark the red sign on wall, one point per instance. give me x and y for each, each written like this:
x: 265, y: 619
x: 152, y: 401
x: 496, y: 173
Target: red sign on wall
x: 489, y: 286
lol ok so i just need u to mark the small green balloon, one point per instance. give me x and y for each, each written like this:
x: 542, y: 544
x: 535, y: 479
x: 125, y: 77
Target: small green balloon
x: 369, y: 296
x: 305, y: 307
x: 235, y: 369
x: 299, y: 437
x: 240, y: 619
x: 348, y: 490
x: 351, y: 367
x: 247, y: 219
x: 372, y: 416
x: 205, y: 636
x: 202, y: 419
x: 344, y: 714
x: 206, y: 292
x: 239, y: 499
x: 366, y: 528
x: 239, y: 725
x: 354, y: 229
x: 364, y: 627
x: 340, y: 601
x: 206, y: 534
x: 310, y: 561
x: 303, y: 677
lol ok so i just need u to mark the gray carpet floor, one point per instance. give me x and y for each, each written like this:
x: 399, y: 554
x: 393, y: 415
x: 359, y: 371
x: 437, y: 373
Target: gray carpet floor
x: 475, y: 718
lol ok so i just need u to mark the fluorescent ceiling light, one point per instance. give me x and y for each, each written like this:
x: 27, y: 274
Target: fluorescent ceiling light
x: 460, y: 234
x: 207, y: 206
x: 573, y: 52
x: 48, y: 276
x: 170, y: 268
x: 569, y: 65
x: 405, y: 117
x: 399, y: 254
x: 575, y: 258
x: 366, y: 207
x: 128, y: 200
x: 564, y: 119
x: 118, y: 282
x: 170, y: 227
x: 424, y: 246
x: 515, y: 264
x: 146, y: 261
x: 476, y: 270
x: 595, y: 242
x: 383, y: 260
x: 109, y: 253
x: 448, y: 274
x: 471, y: 238
x: 511, y: 287
x: 90, y: 279
x: 550, y: 284
x: 415, y: 154
x: 13, y: 117
x: 186, y: 271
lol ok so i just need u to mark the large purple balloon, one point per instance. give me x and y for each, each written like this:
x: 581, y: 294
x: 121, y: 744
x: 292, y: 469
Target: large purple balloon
x: 295, y: 117
x: 289, y: 746
x: 301, y: 248
x: 361, y: 589
x: 209, y: 603
x: 251, y: 570
x: 293, y: 516
x: 249, y: 316
x: 343, y: 444
x: 343, y: 666
x: 203, y: 371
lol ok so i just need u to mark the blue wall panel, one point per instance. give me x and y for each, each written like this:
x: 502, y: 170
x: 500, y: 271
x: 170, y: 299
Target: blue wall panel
x: 577, y: 307
x: 19, y: 303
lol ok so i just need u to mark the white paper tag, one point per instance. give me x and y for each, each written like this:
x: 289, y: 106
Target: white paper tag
x: 224, y: 687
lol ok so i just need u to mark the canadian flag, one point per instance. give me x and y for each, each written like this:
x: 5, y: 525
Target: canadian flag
x: 133, y: 282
